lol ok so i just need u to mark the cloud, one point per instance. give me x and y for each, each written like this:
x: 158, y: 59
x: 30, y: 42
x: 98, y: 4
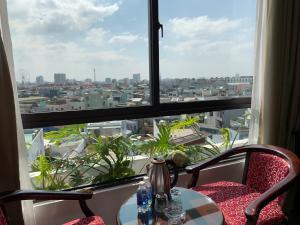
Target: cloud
x: 124, y: 38
x: 56, y: 17
x: 42, y: 57
x: 206, y: 36
x: 96, y: 36
x: 192, y: 27
x: 207, y: 46
x: 184, y: 46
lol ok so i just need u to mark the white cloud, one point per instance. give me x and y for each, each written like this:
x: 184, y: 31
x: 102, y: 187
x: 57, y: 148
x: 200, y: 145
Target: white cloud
x: 200, y: 46
x: 56, y: 17
x: 206, y: 36
x: 185, y: 46
x: 207, y: 46
x: 42, y: 57
x: 96, y: 36
x: 201, y: 26
x: 125, y: 38
x: 62, y: 36
x: 222, y: 58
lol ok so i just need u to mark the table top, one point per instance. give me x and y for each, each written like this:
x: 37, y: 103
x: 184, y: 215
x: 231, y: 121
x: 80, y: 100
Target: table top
x: 200, y: 210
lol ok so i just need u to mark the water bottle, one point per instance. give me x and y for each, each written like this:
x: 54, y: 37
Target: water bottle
x: 149, y: 190
x: 142, y: 198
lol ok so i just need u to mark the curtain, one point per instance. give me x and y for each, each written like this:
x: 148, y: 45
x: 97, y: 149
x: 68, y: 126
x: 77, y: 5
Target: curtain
x: 13, y: 160
x: 276, y: 90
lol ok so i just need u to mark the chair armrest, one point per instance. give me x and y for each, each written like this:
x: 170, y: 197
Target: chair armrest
x: 49, y: 195
x: 253, y: 209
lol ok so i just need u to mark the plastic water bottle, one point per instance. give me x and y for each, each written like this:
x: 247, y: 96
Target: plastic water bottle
x: 142, y: 198
x: 149, y: 190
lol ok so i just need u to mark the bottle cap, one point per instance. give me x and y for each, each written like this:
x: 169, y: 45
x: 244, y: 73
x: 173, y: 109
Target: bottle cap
x: 141, y: 183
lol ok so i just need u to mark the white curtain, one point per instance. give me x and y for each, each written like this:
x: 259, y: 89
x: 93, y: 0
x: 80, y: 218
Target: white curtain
x: 276, y: 90
x: 13, y: 160
x: 258, y: 81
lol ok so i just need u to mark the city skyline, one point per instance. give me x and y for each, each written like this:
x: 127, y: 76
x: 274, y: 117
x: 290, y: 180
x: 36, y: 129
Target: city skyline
x: 40, y: 78
x: 74, y: 37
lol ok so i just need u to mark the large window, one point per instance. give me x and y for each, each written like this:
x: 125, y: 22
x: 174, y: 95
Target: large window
x: 82, y: 63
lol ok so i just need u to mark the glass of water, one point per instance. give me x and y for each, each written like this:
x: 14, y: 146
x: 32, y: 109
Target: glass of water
x: 175, y: 211
x: 173, y: 214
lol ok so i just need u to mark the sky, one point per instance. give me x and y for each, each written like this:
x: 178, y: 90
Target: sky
x: 202, y: 38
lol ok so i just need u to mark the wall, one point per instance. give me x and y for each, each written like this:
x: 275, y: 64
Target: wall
x: 107, y: 202
x: 36, y: 145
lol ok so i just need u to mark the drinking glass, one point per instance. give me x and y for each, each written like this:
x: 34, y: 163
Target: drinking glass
x: 173, y: 213
x: 176, y: 202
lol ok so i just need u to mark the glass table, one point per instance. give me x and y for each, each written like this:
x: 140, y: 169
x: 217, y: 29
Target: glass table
x: 200, y: 210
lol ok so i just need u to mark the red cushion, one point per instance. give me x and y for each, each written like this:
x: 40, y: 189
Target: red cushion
x: 2, y: 218
x: 233, y: 198
x: 93, y: 220
x: 265, y: 170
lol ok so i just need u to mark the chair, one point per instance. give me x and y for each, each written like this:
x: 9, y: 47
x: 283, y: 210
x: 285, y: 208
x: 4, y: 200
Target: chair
x: 269, y: 171
x: 90, y: 218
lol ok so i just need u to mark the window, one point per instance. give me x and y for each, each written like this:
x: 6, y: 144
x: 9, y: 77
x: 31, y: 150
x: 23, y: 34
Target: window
x: 73, y: 52
x: 206, y: 54
x: 89, y: 62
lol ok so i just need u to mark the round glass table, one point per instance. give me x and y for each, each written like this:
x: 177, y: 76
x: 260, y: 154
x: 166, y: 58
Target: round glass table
x: 200, y: 210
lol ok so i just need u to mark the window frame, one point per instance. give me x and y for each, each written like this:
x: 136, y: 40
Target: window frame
x: 155, y: 109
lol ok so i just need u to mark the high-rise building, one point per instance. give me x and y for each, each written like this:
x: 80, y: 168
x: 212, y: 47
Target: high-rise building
x: 136, y: 77
x: 39, y: 79
x: 59, y: 78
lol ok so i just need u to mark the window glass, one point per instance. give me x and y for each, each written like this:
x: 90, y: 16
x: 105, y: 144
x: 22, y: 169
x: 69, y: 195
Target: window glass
x: 73, y: 155
x: 80, y: 55
x: 207, y: 51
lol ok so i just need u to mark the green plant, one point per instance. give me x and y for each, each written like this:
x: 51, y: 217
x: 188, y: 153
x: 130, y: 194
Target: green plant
x: 114, y: 152
x: 107, y: 157
x: 49, y: 177
x: 198, y: 153
x: 225, y: 132
x: 77, y: 178
x: 162, y: 145
x: 65, y: 133
x: 227, y: 143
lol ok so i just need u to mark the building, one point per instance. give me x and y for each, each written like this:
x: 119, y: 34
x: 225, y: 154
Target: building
x: 34, y: 141
x: 58, y: 105
x: 136, y: 77
x: 33, y: 104
x: 98, y: 101
x: 59, y: 78
x: 108, y: 80
x: 39, y: 80
x: 114, y: 128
